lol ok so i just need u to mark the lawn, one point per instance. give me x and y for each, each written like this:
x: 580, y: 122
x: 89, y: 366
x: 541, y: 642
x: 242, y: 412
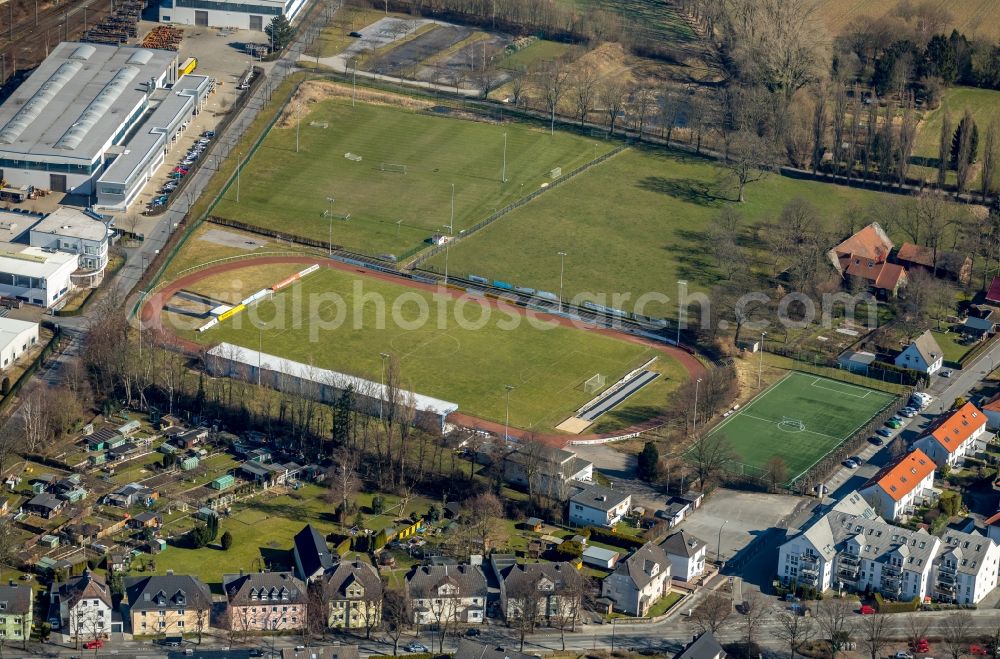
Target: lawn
x: 830, y: 411
x: 973, y: 17
x: 664, y: 604
x: 984, y: 104
x: 633, y: 225
x: 392, y: 212
x: 455, y: 350
x: 542, y: 50
x: 952, y: 349
x: 656, y: 20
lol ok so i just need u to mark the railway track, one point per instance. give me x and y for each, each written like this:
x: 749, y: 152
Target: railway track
x: 26, y: 41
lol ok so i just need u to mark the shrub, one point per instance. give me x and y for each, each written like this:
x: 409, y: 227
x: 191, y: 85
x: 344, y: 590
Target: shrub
x: 226, y: 541
x: 883, y: 606
x: 612, y: 538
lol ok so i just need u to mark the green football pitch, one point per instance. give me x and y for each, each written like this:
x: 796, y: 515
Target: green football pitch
x: 356, y: 155
x: 801, y: 418
x: 446, y: 348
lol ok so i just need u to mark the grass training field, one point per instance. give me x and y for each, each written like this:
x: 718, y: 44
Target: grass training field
x: 633, y: 224
x: 831, y: 412
x: 984, y: 104
x: 973, y: 17
x: 391, y: 212
x: 467, y: 363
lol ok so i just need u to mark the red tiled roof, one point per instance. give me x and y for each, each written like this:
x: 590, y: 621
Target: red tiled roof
x: 901, y: 476
x: 993, y: 295
x: 993, y: 521
x: 870, y: 242
x: 916, y: 254
x: 890, y: 276
x: 958, y: 427
x: 993, y: 405
x: 882, y: 275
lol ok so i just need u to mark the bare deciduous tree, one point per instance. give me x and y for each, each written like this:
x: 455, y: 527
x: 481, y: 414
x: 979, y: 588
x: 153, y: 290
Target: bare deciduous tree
x: 754, y: 611
x: 750, y: 158
x: 794, y: 629
x: 710, y: 455
x: 875, y: 633
x: 486, y: 513
x: 612, y: 96
x: 396, y: 615
x: 713, y: 612
x: 553, y: 80
x: 835, y: 618
x: 957, y: 627
x: 584, y: 93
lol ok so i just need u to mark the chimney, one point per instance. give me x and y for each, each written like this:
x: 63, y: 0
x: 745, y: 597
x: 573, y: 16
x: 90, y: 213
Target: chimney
x: 170, y: 573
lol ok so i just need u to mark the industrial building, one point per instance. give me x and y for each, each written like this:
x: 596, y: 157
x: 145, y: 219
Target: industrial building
x: 88, y: 106
x: 36, y: 275
x: 74, y: 232
x: 241, y: 14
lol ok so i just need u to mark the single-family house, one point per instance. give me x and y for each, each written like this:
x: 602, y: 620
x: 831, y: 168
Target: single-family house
x: 864, y: 257
x: 312, y: 556
x: 145, y: 520
x: 45, y: 505
x: 15, y: 612
x: 130, y: 495
x: 923, y: 355
x: 553, y: 589
x: 687, y: 555
x: 169, y: 604
x: 639, y: 581
x: 593, y: 504
x: 353, y: 590
x: 966, y: 567
x: 901, y: 485
x: 84, y: 605
x: 953, y: 436
x: 447, y: 592
x: 265, y: 601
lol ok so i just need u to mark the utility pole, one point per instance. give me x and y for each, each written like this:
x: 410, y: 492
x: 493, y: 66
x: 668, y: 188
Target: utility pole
x: 329, y: 251
x: 680, y: 283
x: 506, y: 417
x: 503, y: 176
x: 562, y: 267
x: 239, y: 166
x: 760, y: 361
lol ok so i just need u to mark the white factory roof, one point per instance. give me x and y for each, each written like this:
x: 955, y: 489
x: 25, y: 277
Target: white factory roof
x: 72, y: 223
x: 14, y: 224
x: 75, y: 101
x: 11, y: 328
x: 33, y: 261
x: 309, y: 373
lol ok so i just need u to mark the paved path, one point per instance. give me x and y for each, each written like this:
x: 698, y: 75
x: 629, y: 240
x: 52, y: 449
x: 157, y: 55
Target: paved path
x: 152, y: 319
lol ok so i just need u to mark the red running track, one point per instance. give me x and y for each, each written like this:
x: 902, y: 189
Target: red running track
x: 150, y: 315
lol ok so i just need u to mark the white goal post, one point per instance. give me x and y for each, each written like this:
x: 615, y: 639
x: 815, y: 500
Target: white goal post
x: 793, y: 422
x: 398, y: 168
x: 594, y: 383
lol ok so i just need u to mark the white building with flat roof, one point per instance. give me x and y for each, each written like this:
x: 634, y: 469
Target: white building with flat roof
x: 69, y: 230
x: 16, y: 337
x: 60, y: 128
x: 242, y: 14
x: 35, y: 275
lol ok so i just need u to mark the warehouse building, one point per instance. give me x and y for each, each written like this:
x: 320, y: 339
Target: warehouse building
x: 35, y: 275
x: 16, y: 337
x: 77, y: 111
x: 241, y: 14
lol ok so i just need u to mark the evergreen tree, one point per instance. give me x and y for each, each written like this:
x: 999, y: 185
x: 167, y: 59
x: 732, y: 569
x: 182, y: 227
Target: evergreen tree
x: 280, y: 31
x: 649, y: 462
x: 227, y: 541
x: 967, y: 123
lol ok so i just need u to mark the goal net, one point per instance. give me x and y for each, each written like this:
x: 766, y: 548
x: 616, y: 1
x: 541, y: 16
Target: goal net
x: 792, y: 422
x: 594, y: 383
x: 392, y: 167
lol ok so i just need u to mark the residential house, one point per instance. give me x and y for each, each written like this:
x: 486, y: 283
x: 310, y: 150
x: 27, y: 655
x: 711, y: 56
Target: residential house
x: 687, y: 555
x: 704, y: 646
x: 923, y: 355
x: 977, y: 329
x: 993, y: 294
x: 593, y: 504
x: 864, y: 256
x: 545, y: 470
x: 15, y: 612
x: 321, y: 652
x: 189, y: 438
x: 639, y: 581
x: 901, y: 485
x: 679, y: 507
x: 130, y: 495
x: 265, y: 601
x: 553, y: 589
x: 849, y: 546
x: 953, y: 436
x: 993, y: 527
x: 312, y: 556
x: 45, y: 505
x: 447, y: 593
x: 965, y: 570
x: 84, y: 605
x: 472, y: 649
x: 170, y: 604
x: 354, y: 592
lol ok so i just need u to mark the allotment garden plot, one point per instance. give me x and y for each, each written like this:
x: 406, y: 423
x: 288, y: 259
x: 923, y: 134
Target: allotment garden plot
x: 377, y: 177
x: 800, y: 419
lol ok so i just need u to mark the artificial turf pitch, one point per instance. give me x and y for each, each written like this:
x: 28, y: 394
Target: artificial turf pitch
x: 468, y: 365
x: 831, y: 412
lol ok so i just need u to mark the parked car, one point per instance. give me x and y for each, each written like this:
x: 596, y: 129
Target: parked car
x: 978, y: 650
x: 908, y: 412
x: 858, y: 460
x: 209, y: 134
x: 355, y: 34
x: 922, y: 646
x: 850, y: 464
x: 181, y: 170
x: 472, y: 631
x: 894, y: 423
x: 877, y: 441
x: 95, y: 644
x: 885, y: 432
x: 947, y: 373
x: 902, y: 654
x: 866, y: 610
x: 415, y: 647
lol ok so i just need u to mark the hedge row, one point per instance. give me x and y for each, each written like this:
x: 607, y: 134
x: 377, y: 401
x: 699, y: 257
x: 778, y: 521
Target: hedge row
x: 895, y: 607
x: 612, y: 538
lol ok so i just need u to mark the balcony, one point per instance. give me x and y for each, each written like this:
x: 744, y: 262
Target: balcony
x: 945, y: 568
x: 809, y: 560
x: 849, y: 559
x: 890, y: 570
